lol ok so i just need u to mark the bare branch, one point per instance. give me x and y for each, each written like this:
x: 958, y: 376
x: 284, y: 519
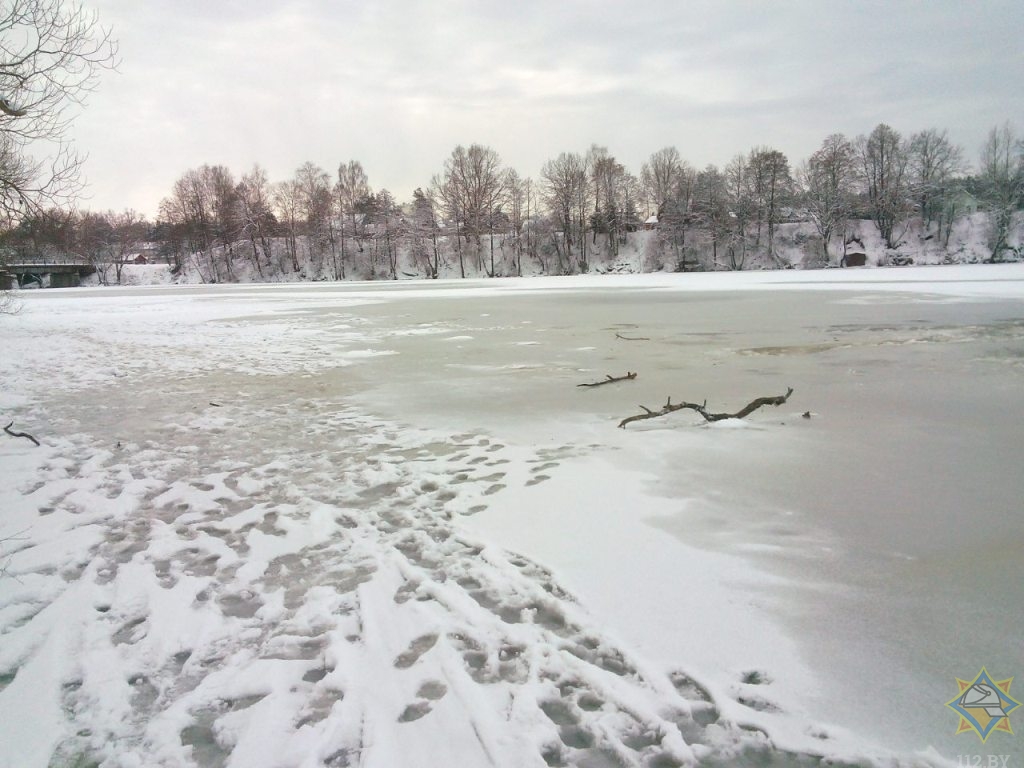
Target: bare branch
x: 631, y: 338
x: 51, y: 55
x: 668, y: 408
x: 609, y: 379
x: 26, y: 435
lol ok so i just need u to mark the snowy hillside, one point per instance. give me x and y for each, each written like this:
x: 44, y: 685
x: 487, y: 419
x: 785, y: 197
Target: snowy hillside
x: 797, y: 246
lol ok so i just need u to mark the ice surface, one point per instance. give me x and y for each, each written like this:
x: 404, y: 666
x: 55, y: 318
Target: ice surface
x: 365, y: 525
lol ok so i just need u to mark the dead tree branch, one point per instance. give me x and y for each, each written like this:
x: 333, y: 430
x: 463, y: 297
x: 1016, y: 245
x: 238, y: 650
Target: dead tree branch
x: 631, y: 338
x: 609, y: 379
x: 26, y: 435
x: 701, y: 408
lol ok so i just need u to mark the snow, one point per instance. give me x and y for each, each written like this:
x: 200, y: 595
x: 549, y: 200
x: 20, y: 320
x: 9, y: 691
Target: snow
x: 379, y: 525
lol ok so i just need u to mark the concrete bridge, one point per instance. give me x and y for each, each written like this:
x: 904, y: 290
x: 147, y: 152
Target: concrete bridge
x: 64, y: 271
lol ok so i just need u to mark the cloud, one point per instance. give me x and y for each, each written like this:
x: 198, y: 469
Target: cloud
x: 398, y: 84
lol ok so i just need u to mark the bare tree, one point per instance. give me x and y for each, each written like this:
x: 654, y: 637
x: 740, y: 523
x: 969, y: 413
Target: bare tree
x: 741, y: 206
x: 518, y: 212
x: 422, y: 233
x: 883, y: 164
x: 933, y: 163
x: 252, y: 200
x: 530, y: 222
x: 389, y: 229
x: 189, y: 208
x: 221, y: 187
x: 615, y: 198
x: 711, y: 208
x: 827, y: 179
x: 472, y: 187
x: 203, y: 204
x: 352, y: 186
x: 660, y: 177
x: 127, y: 228
x: 315, y: 208
x: 287, y: 197
x: 676, y: 213
x: 1002, y: 183
x: 771, y: 184
x: 630, y: 199
x: 495, y: 199
x: 449, y: 196
x: 42, y: 232
x: 566, y: 193
x: 95, y: 236
x: 51, y: 57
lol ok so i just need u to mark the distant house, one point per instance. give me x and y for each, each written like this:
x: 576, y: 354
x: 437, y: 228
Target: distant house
x: 146, y: 252
x: 652, y: 222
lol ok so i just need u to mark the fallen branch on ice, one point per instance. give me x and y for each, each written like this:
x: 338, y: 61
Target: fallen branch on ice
x: 631, y: 338
x: 26, y: 435
x: 669, y: 407
x: 609, y: 379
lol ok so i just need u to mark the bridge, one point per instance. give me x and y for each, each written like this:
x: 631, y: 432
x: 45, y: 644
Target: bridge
x: 63, y: 271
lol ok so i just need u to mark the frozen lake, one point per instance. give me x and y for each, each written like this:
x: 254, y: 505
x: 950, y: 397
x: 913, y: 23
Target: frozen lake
x: 381, y: 525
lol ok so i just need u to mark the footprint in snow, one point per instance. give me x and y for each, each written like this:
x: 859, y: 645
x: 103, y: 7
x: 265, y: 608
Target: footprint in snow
x: 416, y: 648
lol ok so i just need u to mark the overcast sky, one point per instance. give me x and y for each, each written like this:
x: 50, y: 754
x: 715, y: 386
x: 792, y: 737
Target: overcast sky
x: 397, y: 85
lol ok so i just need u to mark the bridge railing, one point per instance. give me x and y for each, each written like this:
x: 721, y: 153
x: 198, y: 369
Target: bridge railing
x: 18, y: 260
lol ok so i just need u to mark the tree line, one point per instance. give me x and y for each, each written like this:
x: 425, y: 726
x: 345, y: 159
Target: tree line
x: 477, y: 216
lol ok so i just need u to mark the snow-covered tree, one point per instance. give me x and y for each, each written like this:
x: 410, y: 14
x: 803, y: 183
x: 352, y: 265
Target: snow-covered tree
x: 676, y: 214
x: 933, y: 165
x: 421, y: 233
x: 660, y: 178
x: 883, y: 158
x: 388, y: 229
x: 316, y: 209
x: 741, y: 208
x: 287, y: 200
x: 226, y: 227
x: 828, y: 179
x: 710, y: 206
x: 615, y: 193
x: 471, y: 188
x: 201, y: 205
x: 351, y: 187
x: 771, y: 184
x: 256, y: 220
x: 517, y: 198
x: 1002, y: 183
x: 567, y: 189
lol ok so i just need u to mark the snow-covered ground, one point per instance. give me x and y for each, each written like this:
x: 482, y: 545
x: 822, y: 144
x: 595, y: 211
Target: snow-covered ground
x: 378, y: 524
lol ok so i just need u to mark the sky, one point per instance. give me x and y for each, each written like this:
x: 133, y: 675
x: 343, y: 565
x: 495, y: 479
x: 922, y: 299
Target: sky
x: 398, y: 85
